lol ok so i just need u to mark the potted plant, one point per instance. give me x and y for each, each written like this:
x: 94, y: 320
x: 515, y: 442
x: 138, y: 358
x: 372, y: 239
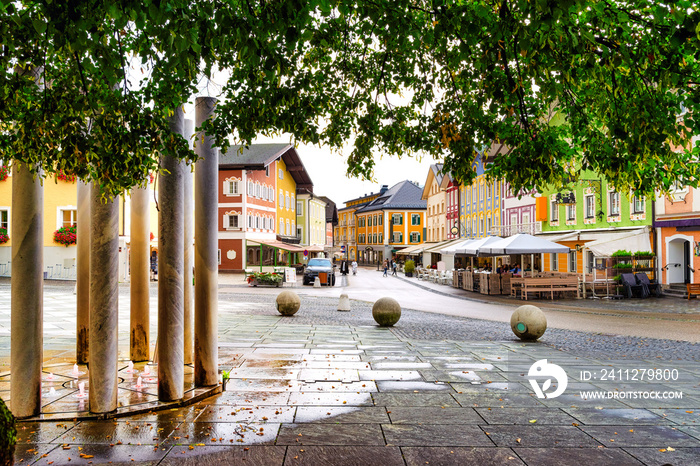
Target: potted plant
x: 4, y: 238
x: 65, y: 235
x: 4, y: 172
x: 409, y: 267
x: 265, y: 278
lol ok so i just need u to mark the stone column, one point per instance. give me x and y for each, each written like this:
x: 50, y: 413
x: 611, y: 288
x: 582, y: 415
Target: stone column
x: 104, y: 295
x: 206, y: 349
x: 139, y: 349
x: 189, y: 250
x: 171, y: 247
x: 82, y: 265
x: 27, y: 308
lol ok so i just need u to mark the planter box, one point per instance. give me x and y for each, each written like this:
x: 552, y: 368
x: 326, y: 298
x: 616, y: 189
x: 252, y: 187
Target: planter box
x: 408, y: 274
x: 265, y: 283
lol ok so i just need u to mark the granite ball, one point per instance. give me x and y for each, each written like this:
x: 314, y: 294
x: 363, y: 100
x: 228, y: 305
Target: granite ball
x: 528, y: 322
x: 386, y: 312
x: 288, y: 303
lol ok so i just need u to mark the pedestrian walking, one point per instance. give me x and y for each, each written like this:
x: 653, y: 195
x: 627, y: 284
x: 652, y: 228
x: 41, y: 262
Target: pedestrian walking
x: 394, y: 266
x: 386, y: 268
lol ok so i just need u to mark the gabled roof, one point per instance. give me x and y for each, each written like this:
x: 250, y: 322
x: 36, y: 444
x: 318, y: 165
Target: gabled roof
x: 434, y: 176
x: 403, y: 195
x: 331, y: 210
x: 447, y: 180
x: 259, y: 156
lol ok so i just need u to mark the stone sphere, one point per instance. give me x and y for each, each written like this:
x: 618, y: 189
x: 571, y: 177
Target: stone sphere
x: 386, y: 311
x: 528, y: 322
x: 288, y: 303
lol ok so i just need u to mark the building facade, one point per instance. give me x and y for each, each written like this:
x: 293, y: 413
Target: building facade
x: 677, y: 232
x: 434, y: 195
x: 482, y: 206
x: 590, y: 211
x: 257, y: 205
x: 345, y: 234
x: 393, y: 221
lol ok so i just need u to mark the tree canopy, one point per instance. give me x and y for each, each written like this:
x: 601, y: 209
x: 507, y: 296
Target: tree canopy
x: 560, y: 86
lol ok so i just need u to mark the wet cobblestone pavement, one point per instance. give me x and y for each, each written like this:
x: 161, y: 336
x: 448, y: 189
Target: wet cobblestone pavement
x: 327, y: 387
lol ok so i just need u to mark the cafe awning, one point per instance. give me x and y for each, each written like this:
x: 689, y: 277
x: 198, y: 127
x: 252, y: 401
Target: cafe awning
x: 633, y: 241
x: 522, y: 243
x: 412, y: 250
x: 278, y: 245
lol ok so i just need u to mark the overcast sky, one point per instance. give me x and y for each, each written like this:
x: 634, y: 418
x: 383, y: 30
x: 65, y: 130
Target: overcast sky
x: 328, y: 171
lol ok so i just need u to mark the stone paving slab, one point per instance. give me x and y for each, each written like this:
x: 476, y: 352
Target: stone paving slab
x: 356, y: 395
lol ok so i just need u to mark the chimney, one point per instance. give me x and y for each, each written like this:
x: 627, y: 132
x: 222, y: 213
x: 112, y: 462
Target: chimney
x: 385, y: 188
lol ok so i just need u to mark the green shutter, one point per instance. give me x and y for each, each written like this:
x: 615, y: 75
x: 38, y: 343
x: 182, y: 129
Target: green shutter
x: 419, y: 237
x: 401, y: 220
x: 400, y: 237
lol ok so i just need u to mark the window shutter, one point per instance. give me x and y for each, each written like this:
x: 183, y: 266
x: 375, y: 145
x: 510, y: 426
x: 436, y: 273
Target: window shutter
x: 419, y: 237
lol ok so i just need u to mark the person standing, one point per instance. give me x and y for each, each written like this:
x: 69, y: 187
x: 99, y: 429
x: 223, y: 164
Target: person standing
x: 386, y: 267
x: 394, y: 266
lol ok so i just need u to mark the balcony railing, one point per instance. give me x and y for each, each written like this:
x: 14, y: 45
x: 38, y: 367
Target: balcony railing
x: 510, y: 230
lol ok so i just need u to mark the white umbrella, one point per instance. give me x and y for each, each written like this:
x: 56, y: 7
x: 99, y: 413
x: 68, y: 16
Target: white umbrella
x: 475, y: 248
x: 522, y: 243
x: 454, y: 248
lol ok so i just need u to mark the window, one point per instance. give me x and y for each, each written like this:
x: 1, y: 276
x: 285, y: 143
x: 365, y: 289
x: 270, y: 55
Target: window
x: 281, y: 232
x: 68, y: 218
x: 481, y: 226
x: 286, y: 200
x: 381, y: 238
x: 281, y: 174
x: 287, y: 228
x: 218, y: 255
x: 272, y: 194
x: 488, y: 191
x: 488, y: 224
x: 555, y: 262
x: 572, y: 261
x: 251, y: 191
x: 281, y: 199
x: 257, y: 222
x: 554, y: 212
x: 298, y: 232
x: 590, y: 205
x: 397, y: 219
x: 614, y: 203
x: 250, y: 221
x: 257, y: 190
x: 415, y: 219
x: 294, y: 226
x: 5, y: 219
x: 571, y: 211
x: 481, y: 192
x: 590, y: 258
x: 415, y: 237
x: 292, y: 201
x: 397, y: 237
x: 232, y: 221
x: 300, y: 208
x: 267, y: 171
x: 381, y: 219
x: 232, y: 188
x: 639, y: 204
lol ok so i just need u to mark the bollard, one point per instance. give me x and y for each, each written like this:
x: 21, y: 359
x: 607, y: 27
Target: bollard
x: 344, y: 303
x: 317, y: 282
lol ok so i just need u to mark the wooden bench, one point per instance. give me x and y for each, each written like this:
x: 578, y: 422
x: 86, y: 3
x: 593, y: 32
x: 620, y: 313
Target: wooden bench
x: 693, y: 289
x: 549, y: 285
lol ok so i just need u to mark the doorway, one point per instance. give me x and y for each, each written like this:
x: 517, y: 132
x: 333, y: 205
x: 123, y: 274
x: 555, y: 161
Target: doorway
x: 678, y: 260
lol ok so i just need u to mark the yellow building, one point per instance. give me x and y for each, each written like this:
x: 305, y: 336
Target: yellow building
x: 345, y: 233
x: 61, y: 210
x: 434, y: 194
x: 286, y: 201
